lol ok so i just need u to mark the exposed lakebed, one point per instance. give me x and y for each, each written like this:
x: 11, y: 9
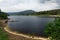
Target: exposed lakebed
x: 29, y: 24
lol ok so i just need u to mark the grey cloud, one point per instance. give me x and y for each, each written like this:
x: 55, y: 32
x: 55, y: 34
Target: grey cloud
x: 37, y: 5
x: 43, y: 1
x: 8, y: 3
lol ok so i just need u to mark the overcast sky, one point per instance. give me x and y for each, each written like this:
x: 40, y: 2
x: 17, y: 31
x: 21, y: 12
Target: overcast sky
x: 21, y: 5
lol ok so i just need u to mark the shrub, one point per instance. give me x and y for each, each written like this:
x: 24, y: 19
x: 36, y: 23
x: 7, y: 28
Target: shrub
x: 53, y: 30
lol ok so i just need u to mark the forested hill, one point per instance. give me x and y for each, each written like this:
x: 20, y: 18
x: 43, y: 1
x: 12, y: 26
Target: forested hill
x: 31, y: 12
x: 50, y: 12
x: 22, y: 12
x: 3, y: 15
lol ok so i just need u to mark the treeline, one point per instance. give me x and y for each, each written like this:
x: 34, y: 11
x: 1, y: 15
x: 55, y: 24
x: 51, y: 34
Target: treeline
x: 50, y: 12
x: 3, y: 15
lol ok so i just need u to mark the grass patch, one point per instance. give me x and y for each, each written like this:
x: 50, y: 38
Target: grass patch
x: 3, y: 35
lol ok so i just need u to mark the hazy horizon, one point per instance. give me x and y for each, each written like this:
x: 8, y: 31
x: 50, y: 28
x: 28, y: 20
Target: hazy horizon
x: 21, y: 5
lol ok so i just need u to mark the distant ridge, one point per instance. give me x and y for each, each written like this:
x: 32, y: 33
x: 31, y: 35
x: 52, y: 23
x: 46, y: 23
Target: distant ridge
x: 31, y: 12
x: 22, y: 12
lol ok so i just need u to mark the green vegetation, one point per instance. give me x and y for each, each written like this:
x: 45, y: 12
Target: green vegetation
x: 53, y: 30
x: 3, y: 15
x: 50, y: 12
x: 3, y: 35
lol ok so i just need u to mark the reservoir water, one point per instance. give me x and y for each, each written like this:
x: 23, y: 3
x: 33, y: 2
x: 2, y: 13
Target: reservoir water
x: 29, y: 24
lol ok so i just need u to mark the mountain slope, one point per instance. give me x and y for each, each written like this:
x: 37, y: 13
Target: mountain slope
x: 22, y: 12
x: 31, y: 12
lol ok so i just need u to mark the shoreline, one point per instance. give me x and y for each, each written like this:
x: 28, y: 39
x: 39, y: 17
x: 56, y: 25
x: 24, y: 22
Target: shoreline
x: 27, y: 36
x: 39, y: 15
x: 23, y: 35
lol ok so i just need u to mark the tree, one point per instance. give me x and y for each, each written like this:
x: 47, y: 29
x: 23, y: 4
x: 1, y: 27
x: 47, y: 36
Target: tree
x: 3, y: 15
x: 53, y: 30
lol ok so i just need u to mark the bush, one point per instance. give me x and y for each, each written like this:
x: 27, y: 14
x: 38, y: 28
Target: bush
x: 53, y: 30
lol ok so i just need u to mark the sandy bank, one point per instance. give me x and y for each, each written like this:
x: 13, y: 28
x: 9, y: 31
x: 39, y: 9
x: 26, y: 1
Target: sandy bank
x: 23, y: 35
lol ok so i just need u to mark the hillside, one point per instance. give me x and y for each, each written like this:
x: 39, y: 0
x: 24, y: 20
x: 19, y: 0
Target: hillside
x: 50, y: 12
x: 3, y: 15
x: 31, y: 12
x: 22, y: 12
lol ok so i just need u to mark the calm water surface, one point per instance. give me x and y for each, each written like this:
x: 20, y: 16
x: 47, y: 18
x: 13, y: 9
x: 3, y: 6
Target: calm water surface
x: 29, y: 24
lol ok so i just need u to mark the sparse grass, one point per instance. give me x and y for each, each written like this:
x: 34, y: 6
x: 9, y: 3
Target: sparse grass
x: 3, y: 35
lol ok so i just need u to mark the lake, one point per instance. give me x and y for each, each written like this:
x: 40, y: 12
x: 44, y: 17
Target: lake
x: 29, y: 24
